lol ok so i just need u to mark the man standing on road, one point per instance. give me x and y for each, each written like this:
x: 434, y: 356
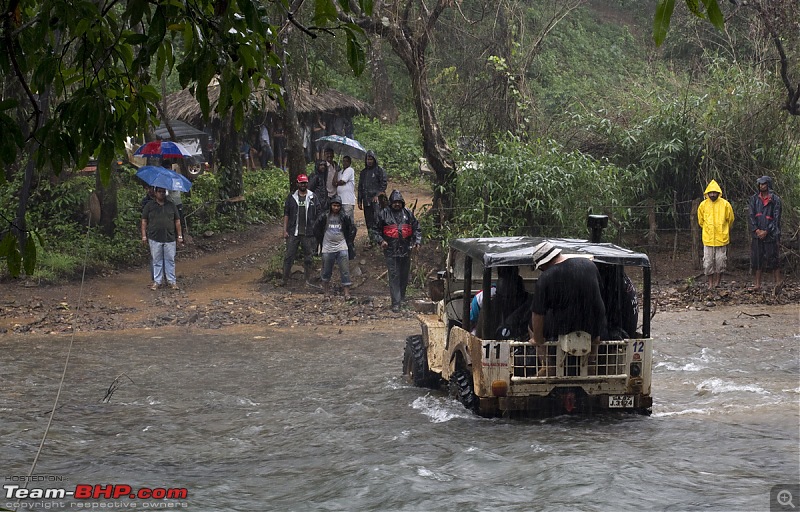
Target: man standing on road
x: 160, y: 224
x: 397, y: 231
x: 299, y: 214
x: 765, y: 226
x: 346, y: 187
x: 567, y: 297
x: 715, y: 216
x: 371, y: 183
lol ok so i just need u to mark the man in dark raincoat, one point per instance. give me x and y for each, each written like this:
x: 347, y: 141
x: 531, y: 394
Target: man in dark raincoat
x: 765, y: 227
x: 397, y: 232
x: 372, y: 182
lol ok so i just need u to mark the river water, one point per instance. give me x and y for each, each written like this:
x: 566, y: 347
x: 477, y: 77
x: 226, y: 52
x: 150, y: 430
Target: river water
x: 315, y: 420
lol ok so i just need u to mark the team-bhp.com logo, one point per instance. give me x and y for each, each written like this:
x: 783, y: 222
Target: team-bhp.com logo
x: 96, y: 492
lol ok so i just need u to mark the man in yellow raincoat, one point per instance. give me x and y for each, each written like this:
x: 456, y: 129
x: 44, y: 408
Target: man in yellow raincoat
x: 715, y: 216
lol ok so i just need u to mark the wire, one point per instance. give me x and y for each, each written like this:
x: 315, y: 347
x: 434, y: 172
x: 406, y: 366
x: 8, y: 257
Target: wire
x: 66, y: 362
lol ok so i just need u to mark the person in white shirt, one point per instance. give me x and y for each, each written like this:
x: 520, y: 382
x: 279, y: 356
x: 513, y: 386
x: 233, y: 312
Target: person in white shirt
x: 265, y: 147
x: 346, y: 187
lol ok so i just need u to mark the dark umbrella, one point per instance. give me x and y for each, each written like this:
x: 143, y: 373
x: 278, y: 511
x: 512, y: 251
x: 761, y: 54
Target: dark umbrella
x: 344, y: 145
x: 163, y: 178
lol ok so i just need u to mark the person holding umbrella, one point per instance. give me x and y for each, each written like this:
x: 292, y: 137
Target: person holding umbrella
x: 161, y: 230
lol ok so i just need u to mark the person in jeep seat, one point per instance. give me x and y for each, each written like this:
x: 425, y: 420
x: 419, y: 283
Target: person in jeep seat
x: 397, y: 231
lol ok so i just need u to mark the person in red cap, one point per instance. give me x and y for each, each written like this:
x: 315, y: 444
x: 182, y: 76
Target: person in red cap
x: 299, y: 214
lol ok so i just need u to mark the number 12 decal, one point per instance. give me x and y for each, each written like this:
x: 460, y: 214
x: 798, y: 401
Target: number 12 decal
x: 638, y: 346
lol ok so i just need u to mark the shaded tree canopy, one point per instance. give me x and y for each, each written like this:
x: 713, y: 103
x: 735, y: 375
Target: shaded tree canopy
x: 79, y: 76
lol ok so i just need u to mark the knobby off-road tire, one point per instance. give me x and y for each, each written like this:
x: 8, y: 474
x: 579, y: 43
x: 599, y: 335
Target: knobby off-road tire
x: 415, y: 363
x: 461, y: 388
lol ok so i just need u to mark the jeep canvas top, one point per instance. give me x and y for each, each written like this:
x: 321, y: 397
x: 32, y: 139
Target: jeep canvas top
x: 490, y: 364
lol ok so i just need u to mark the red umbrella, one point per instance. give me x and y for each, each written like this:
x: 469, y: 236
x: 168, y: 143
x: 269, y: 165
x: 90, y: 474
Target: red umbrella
x: 163, y: 148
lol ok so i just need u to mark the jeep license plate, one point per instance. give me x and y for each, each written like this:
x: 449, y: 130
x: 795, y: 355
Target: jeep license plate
x: 620, y: 401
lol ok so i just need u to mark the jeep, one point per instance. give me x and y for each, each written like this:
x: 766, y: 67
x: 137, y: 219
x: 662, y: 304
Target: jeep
x: 490, y: 365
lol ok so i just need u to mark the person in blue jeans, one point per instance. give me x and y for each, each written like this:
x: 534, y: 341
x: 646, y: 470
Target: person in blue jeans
x: 336, y: 232
x: 161, y: 230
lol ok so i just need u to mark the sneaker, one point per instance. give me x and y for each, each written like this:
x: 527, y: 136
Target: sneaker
x: 395, y: 308
x: 154, y: 286
x: 174, y: 286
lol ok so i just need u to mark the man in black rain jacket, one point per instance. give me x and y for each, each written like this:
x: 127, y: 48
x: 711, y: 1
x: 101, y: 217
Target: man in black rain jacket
x: 397, y: 231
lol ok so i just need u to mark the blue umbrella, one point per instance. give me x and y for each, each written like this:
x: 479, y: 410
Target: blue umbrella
x: 163, y: 178
x: 344, y: 145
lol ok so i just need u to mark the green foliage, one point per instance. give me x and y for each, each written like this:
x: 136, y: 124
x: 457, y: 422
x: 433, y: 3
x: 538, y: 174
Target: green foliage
x: 80, y: 76
x: 265, y: 191
x: 397, y: 146
x: 200, y: 207
x: 539, y: 189
x: 665, y: 8
x: 584, y: 64
x: 60, y: 206
x: 724, y: 128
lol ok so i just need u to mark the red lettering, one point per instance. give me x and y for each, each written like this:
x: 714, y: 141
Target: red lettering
x: 177, y: 494
x: 83, y: 492
x: 159, y: 494
x: 103, y: 491
x: 121, y: 490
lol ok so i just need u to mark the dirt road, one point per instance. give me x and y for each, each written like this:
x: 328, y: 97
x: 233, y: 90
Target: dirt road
x: 231, y: 280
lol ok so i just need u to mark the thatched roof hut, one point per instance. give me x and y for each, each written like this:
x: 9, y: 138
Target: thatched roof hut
x: 182, y: 105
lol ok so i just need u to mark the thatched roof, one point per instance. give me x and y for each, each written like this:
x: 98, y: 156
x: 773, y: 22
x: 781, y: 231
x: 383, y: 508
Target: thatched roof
x: 182, y: 105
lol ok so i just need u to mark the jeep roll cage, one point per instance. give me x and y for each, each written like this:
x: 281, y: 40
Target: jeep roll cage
x: 497, y: 252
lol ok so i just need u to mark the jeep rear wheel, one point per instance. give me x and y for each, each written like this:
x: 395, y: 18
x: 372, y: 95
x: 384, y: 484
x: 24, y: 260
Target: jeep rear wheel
x: 461, y: 388
x: 415, y: 363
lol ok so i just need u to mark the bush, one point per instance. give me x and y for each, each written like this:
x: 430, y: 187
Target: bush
x: 398, y: 147
x: 539, y: 189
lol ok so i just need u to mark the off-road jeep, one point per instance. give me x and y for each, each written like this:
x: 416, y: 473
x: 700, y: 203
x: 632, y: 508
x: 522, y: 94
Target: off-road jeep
x: 491, y: 366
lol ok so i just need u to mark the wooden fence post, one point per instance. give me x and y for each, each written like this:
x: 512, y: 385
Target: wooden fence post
x: 696, y: 235
x: 652, y: 235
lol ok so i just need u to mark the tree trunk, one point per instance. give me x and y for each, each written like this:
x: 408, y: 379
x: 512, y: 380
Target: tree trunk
x: 437, y: 151
x: 230, y: 162
x: 382, y: 90
x: 107, y: 195
x: 295, y: 157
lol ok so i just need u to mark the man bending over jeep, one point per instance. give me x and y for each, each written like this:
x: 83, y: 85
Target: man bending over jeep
x: 567, y: 296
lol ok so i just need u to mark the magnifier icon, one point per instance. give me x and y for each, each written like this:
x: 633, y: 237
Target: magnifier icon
x: 785, y: 498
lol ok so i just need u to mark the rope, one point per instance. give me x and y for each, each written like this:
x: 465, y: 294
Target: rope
x: 66, y: 362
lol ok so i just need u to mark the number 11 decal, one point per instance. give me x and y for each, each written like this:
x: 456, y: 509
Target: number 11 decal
x: 494, y: 353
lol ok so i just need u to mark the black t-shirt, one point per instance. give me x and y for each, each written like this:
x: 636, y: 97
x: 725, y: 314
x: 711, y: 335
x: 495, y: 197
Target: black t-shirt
x: 161, y: 221
x: 568, y: 296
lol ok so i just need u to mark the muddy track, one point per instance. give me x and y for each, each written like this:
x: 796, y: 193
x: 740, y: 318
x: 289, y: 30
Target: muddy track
x: 225, y: 281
